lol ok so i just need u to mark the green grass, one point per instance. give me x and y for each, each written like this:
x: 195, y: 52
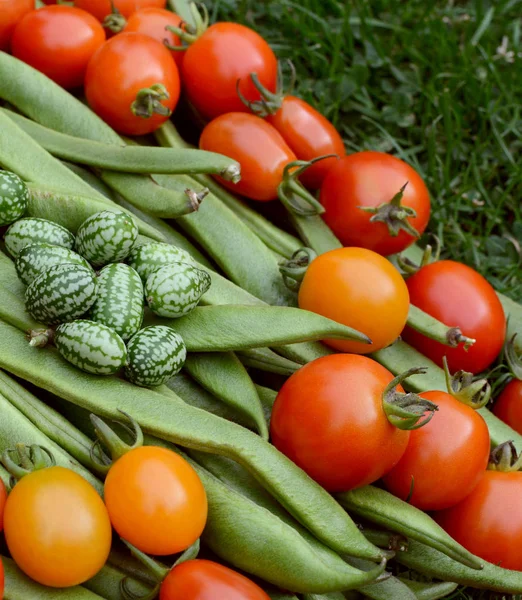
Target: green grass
x: 422, y: 79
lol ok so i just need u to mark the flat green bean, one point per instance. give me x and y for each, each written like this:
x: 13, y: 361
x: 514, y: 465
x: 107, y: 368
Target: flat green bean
x: 19, y: 587
x: 228, y: 327
x: 265, y: 359
x: 127, y: 159
x: 332, y: 596
x: 92, y: 179
x: 429, y: 591
x: 223, y: 374
x: 382, y: 508
x: 389, y: 589
x: 174, y: 420
x: 106, y: 583
x: 315, y: 233
x: 267, y: 397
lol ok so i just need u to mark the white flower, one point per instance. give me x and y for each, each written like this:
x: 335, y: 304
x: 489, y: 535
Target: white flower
x: 503, y: 52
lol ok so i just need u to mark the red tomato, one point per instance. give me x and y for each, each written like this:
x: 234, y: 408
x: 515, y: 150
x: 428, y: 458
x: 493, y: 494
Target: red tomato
x: 57, y: 528
x: 153, y: 22
x: 1, y: 579
x: 309, y: 135
x: 59, y: 41
x: 155, y: 500
x: 445, y: 458
x: 11, y: 11
x: 102, y: 8
x: 358, y: 288
x: 206, y: 580
x: 508, y: 406
x: 370, y: 179
x: 459, y: 297
x: 3, y: 499
x: 126, y: 64
x: 256, y: 145
x: 488, y: 522
x: 328, y: 418
x: 224, y: 54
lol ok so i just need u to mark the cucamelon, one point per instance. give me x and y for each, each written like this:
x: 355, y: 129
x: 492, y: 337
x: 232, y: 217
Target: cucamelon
x: 150, y: 257
x: 14, y: 197
x: 32, y: 230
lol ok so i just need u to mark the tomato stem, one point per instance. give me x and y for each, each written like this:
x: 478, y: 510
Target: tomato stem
x: 504, y: 458
x: 461, y: 386
x: 23, y: 460
x: 270, y: 102
x: 294, y: 270
x: 513, y: 360
x: 187, y: 32
x: 148, y: 102
x: 115, y: 22
x: 112, y: 441
x: 431, y: 254
x: 407, y: 410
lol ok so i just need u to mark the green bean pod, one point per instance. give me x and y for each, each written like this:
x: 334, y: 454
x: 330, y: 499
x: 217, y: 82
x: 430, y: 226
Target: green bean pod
x: 315, y: 233
x: 106, y: 583
x: 332, y: 596
x: 228, y: 327
x: 386, y: 510
x: 265, y: 359
x: 267, y: 397
x: 92, y: 179
x: 19, y: 587
x: 174, y: 420
x: 429, y: 591
x: 127, y: 159
x: 389, y: 589
x: 223, y: 374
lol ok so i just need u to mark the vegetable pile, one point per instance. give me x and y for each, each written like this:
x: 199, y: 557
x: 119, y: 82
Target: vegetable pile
x: 202, y: 402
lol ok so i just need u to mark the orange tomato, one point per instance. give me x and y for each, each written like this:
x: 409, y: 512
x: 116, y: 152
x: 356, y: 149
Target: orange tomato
x: 358, y: 288
x: 57, y: 528
x: 156, y: 500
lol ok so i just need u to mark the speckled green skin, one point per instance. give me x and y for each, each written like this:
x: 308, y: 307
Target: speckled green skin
x: 31, y: 230
x: 14, y: 197
x: 60, y: 294
x: 150, y: 257
x: 174, y: 290
x: 119, y: 303
x: 33, y: 260
x: 155, y: 354
x: 106, y: 237
x: 91, y: 347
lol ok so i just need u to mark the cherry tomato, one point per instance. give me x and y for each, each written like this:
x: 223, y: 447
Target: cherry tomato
x: 309, y: 135
x: 369, y: 179
x: 59, y: 41
x: 206, y: 580
x: 256, y: 145
x: 57, y: 528
x: 126, y: 64
x: 508, y: 406
x: 153, y: 22
x: 3, y: 499
x: 11, y: 11
x: 444, y: 459
x: 358, y: 288
x: 459, y: 297
x: 102, y: 8
x: 328, y: 418
x: 488, y: 522
x: 1, y: 579
x: 155, y: 500
x: 213, y: 64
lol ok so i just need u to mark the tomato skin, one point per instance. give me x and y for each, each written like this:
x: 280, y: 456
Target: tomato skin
x: 370, y: 179
x: 309, y: 135
x: 256, y: 145
x: 11, y: 12
x: 508, y: 406
x: 102, y: 8
x: 328, y: 418
x: 212, y: 65
x: 206, y: 580
x: 3, y: 500
x: 1, y: 579
x: 57, y: 528
x: 155, y: 500
x: 446, y: 457
x: 459, y: 297
x: 488, y: 522
x: 152, y: 22
x: 126, y: 64
x: 361, y: 289
x: 59, y: 41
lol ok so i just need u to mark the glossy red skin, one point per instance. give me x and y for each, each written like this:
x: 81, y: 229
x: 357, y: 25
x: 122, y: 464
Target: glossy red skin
x: 309, y: 134
x: 212, y: 65
x: 508, y: 406
x: 122, y: 67
x: 3, y: 498
x: 59, y: 41
x: 11, y: 11
x: 446, y: 457
x: 206, y: 580
x: 102, y: 8
x: 459, y: 297
x: 152, y: 22
x: 256, y: 145
x: 328, y: 418
x: 371, y: 179
x: 488, y: 522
